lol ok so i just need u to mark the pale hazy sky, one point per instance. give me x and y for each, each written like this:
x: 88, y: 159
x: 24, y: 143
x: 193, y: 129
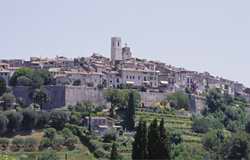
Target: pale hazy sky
x: 202, y: 35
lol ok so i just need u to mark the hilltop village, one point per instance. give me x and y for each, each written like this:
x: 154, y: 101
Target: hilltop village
x: 122, y: 70
x: 119, y: 108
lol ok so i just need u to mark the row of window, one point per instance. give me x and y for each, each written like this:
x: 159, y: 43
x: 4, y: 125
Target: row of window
x: 3, y: 74
x: 139, y: 78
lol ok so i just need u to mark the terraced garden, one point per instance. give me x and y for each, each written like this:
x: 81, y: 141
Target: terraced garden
x: 180, y: 123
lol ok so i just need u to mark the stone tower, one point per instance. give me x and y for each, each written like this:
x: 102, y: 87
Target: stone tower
x: 116, y: 49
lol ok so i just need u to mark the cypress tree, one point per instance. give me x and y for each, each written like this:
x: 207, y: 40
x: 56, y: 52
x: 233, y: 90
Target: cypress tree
x: 153, y: 140
x: 164, y: 143
x: 140, y: 143
x: 114, y: 153
x: 130, y: 118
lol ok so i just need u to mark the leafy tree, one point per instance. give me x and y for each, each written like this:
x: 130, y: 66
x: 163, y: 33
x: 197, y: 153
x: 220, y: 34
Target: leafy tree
x: 29, y: 119
x: 114, y: 153
x: 178, y: 100
x: 66, y: 133
x: 42, y: 119
x: 29, y: 77
x: 15, y: 121
x: 3, y: 124
x: 214, y: 100
x: 18, y: 73
x: 50, y: 133
x: 200, y: 125
x: 247, y: 127
x: 40, y: 97
x: 153, y: 140
x: 8, y: 100
x: 164, y: 143
x: 185, y: 151
x: 48, y: 78
x: 175, y: 137
x: 58, y: 119
x: 212, y: 142
x: 140, y: 144
x: 237, y: 147
x: 117, y: 98
x: 23, y: 81
x: 71, y: 142
x: 3, y: 86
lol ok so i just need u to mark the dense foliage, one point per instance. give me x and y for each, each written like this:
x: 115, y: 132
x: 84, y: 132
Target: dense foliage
x: 178, y: 100
x: 30, y: 77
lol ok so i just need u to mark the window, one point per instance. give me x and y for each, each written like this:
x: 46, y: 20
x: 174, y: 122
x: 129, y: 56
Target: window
x: 133, y: 77
x: 139, y: 77
x: 127, y: 76
x: 118, y: 44
x: 117, y: 80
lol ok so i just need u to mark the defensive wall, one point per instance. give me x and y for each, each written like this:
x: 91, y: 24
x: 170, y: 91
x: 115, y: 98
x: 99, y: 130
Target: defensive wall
x: 60, y: 96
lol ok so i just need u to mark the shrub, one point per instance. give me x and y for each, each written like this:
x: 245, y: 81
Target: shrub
x: 4, y: 143
x: 50, y: 133
x: 45, y: 143
x: 17, y: 144
x: 213, y: 139
x: 3, y: 124
x: 57, y: 143
x: 29, y: 119
x: 101, y: 153
x: 247, y: 127
x: 71, y: 142
x: 200, y: 125
x: 49, y: 155
x: 30, y: 144
x: 175, y: 138
x: 178, y: 100
x: 66, y: 133
x: 15, y: 121
x: 59, y: 119
x: 109, y: 136
x: 42, y: 119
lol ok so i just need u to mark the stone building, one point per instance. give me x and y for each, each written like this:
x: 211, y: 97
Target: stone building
x: 116, y: 49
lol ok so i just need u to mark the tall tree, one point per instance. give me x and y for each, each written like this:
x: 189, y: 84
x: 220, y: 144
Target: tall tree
x: 140, y: 144
x: 40, y: 97
x: 58, y: 119
x: 8, y: 100
x: 214, y: 100
x: 114, y: 153
x: 130, y: 114
x: 15, y: 121
x: 3, y: 87
x: 3, y: 124
x: 29, y: 119
x: 153, y: 140
x: 237, y: 147
x: 164, y: 143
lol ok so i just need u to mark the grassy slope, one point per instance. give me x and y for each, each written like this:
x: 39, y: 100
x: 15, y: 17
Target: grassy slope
x: 80, y: 154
